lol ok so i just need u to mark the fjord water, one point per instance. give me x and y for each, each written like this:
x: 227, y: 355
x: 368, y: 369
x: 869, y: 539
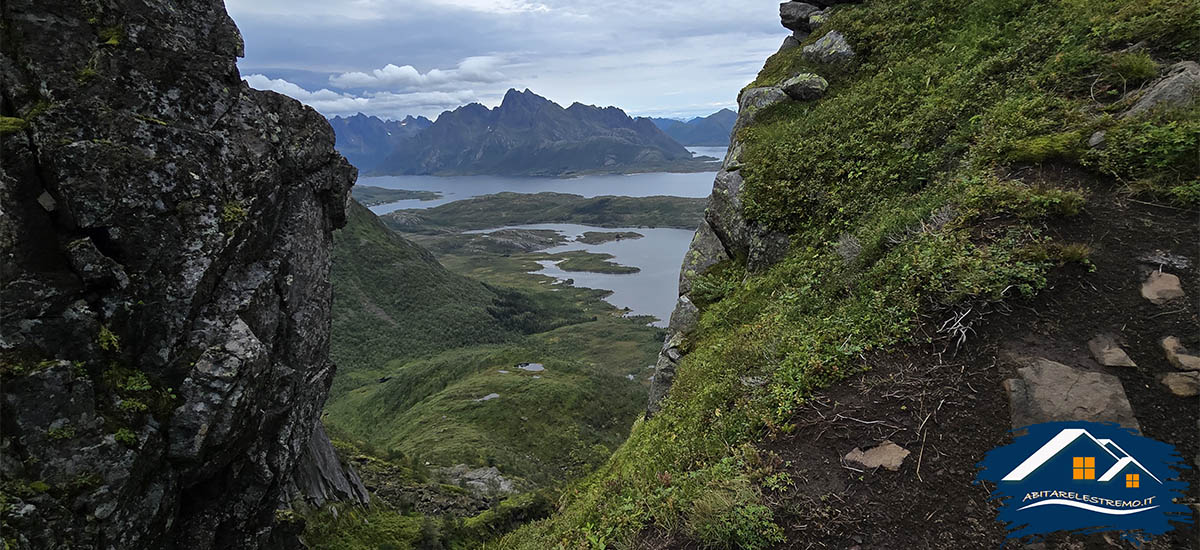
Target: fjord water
x: 456, y: 188
x: 651, y: 291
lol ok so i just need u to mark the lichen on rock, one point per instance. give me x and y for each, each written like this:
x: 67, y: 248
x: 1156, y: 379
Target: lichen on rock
x: 184, y: 341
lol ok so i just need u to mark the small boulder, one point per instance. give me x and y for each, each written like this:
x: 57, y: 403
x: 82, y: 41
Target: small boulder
x: 1046, y: 391
x: 831, y: 48
x: 760, y: 98
x: 1178, y: 89
x: 805, y: 87
x: 887, y: 455
x: 1182, y: 384
x: 1162, y: 288
x: 794, y: 15
x: 1097, y: 139
x: 789, y: 43
x: 1105, y: 350
x: 752, y: 101
x: 1178, y: 355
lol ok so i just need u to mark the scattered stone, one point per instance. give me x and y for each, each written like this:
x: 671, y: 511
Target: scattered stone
x: 888, y: 455
x: 831, y: 48
x: 629, y: 377
x: 1106, y: 352
x: 1182, y: 384
x: 805, y: 87
x: 794, y: 15
x: 1097, y: 139
x: 48, y: 203
x: 532, y: 367
x: 1178, y: 355
x: 1160, y: 258
x: 1046, y: 391
x: 1161, y: 288
x: 488, y: 397
x: 1178, y: 89
x: 479, y: 481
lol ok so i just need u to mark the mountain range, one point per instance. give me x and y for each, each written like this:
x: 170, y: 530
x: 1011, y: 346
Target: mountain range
x: 710, y: 131
x: 527, y: 135
x: 367, y: 140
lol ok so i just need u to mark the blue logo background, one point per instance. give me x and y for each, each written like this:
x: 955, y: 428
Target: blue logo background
x: 1045, y: 485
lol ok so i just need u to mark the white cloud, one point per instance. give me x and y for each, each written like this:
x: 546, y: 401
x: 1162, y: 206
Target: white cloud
x: 383, y: 104
x: 478, y: 69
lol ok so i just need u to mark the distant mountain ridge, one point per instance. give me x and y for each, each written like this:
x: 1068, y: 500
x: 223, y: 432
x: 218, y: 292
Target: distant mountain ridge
x: 367, y: 140
x: 710, y: 131
x: 529, y: 135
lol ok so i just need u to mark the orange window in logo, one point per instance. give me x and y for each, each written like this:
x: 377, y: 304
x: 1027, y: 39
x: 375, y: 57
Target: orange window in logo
x: 1084, y: 467
x: 1133, y: 481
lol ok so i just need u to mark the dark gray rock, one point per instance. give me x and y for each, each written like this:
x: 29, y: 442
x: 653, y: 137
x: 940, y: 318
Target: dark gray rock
x: 766, y: 248
x: 831, y: 48
x: 733, y: 158
x: 805, y: 87
x: 724, y: 214
x: 664, y: 372
x: 789, y: 43
x: 705, y: 251
x: 320, y: 476
x: 794, y: 15
x: 1179, y: 88
x: 165, y: 278
x: 753, y: 101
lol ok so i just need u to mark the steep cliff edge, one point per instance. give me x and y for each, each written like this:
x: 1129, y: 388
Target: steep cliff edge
x: 166, y: 239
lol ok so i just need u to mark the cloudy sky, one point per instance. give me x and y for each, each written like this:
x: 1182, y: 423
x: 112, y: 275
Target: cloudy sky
x: 393, y: 58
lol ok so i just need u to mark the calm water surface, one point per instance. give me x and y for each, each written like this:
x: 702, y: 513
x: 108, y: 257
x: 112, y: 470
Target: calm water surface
x: 651, y: 291
x: 456, y: 188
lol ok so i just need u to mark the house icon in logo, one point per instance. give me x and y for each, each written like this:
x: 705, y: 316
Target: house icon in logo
x: 1086, y: 451
x: 1070, y: 476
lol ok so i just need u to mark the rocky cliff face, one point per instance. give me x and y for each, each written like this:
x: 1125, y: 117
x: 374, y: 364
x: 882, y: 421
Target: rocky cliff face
x: 165, y: 281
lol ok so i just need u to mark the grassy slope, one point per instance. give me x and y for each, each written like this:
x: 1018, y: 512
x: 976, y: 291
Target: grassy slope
x: 394, y: 301
x: 504, y: 209
x: 436, y: 339
x: 440, y: 339
x: 946, y: 96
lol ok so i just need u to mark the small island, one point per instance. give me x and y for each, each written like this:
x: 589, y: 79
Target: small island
x: 375, y: 196
x: 592, y: 262
x: 601, y: 237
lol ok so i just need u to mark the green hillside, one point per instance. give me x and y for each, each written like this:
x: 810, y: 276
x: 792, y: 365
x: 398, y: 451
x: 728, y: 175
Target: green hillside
x: 394, y: 301
x: 925, y: 183
x: 416, y: 345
